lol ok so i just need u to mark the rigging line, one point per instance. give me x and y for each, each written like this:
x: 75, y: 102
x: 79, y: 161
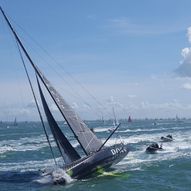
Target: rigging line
x: 32, y: 89
x: 58, y: 145
x: 47, y: 84
x: 70, y: 75
x: 74, y: 94
x: 109, y: 137
x: 37, y: 71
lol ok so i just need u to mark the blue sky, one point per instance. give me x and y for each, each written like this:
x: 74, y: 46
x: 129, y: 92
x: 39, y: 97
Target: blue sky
x: 123, y: 52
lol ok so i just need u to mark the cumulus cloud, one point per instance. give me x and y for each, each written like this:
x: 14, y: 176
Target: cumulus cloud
x: 185, y: 65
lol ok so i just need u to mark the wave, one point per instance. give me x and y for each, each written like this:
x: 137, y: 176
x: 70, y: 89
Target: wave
x: 24, y: 144
x: 139, y: 140
x: 30, y: 165
x: 54, y: 176
x: 154, y: 129
x: 179, y: 148
x: 98, y: 129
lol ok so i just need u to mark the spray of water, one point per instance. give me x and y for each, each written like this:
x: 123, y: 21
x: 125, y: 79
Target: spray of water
x: 54, y: 176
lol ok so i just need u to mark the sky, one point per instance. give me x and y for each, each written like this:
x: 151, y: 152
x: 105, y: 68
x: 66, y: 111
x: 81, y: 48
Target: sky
x: 134, y: 56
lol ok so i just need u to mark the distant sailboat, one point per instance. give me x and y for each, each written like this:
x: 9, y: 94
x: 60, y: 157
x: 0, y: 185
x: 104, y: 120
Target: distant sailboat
x: 102, y: 120
x: 129, y: 119
x: 96, y: 154
x: 15, y: 122
x: 178, y: 119
x: 115, y: 121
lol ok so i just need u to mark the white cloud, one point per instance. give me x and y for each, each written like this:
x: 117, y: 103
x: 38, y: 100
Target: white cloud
x: 186, y: 54
x: 75, y: 105
x: 185, y: 65
x: 31, y: 104
x: 22, y: 113
x: 131, y: 96
x: 140, y: 98
x: 187, y: 86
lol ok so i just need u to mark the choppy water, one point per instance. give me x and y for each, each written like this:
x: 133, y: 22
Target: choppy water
x: 24, y: 151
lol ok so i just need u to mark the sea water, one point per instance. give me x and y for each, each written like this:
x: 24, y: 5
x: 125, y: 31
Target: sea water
x: 26, y: 160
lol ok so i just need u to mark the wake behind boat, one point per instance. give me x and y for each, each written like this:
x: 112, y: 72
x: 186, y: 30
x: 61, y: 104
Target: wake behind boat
x: 97, y: 155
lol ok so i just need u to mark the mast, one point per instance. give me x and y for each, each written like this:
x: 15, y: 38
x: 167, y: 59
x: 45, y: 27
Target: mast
x: 88, y: 141
x: 109, y: 136
x: 36, y: 103
x: 115, y: 122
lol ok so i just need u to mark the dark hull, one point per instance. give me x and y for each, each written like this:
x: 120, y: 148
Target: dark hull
x: 151, y: 150
x: 166, y: 139
x: 102, y: 159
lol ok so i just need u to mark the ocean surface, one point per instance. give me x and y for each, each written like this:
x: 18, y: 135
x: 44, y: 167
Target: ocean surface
x: 25, y: 155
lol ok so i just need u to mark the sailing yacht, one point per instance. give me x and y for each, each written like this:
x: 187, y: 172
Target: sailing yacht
x: 15, y: 122
x: 129, y: 119
x: 115, y: 121
x: 96, y: 154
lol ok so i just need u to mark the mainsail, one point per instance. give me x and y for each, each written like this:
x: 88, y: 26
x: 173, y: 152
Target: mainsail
x: 86, y: 138
x: 68, y: 153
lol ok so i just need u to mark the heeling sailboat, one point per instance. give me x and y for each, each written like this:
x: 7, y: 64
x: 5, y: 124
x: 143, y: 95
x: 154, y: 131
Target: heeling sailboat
x: 96, y: 153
